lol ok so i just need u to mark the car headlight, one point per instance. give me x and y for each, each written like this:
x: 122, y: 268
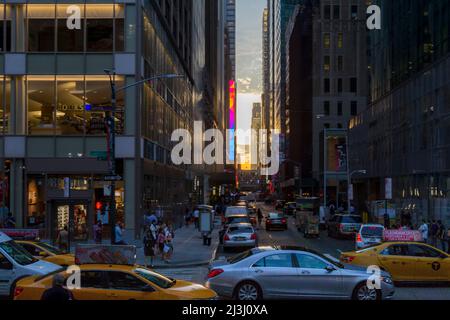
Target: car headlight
x: 387, y: 280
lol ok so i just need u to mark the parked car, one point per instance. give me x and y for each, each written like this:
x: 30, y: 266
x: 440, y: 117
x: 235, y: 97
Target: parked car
x: 369, y: 235
x: 289, y: 208
x: 16, y: 263
x: 344, y: 226
x: 292, y: 273
x: 240, y: 235
x: 276, y: 221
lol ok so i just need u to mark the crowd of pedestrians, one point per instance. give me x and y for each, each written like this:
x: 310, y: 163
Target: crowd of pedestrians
x: 157, y: 240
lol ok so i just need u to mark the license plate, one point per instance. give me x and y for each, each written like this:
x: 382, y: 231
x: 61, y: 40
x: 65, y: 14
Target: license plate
x: 276, y: 221
x: 240, y: 239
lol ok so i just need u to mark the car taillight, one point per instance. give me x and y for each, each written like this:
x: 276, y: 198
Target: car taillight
x: 226, y: 238
x: 341, y: 227
x: 347, y: 259
x: 268, y: 221
x: 214, y: 273
x: 18, y: 291
x: 358, y: 238
x: 253, y: 236
x: 284, y: 221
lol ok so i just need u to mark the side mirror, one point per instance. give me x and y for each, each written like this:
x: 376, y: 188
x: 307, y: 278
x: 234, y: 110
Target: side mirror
x: 330, y: 269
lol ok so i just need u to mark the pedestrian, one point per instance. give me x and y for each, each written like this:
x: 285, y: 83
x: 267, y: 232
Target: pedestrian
x: 424, y: 231
x: 442, y: 236
x: 161, y: 240
x: 196, y: 217
x: 260, y: 216
x: 98, y: 232
x: 168, y: 245
x: 63, y: 240
x: 119, y: 234
x: 57, y: 292
x: 434, y: 233
x: 149, y: 246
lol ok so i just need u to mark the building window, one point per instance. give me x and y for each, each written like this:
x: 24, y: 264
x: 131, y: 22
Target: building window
x: 327, y: 88
x: 5, y: 28
x: 71, y: 105
x: 354, y: 108
x: 339, y: 126
x: 336, y: 12
x: 339, y: 85
x: 326, y: 108
x: 340, y: 63
x: 326, y: 40
x: 326, y: 63
x: 101, y: 28
x: 339, y: 109
x: 327, y: 12
x: 354, y: 12
x: 353, y: 85
x: 327, y: 126
x: 5, y: 104
x: 340, y: 41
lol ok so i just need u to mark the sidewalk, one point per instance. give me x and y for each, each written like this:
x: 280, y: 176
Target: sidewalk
x: 189, y: 250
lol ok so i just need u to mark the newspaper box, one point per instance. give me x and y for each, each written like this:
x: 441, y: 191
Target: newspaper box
x: 105, y: 254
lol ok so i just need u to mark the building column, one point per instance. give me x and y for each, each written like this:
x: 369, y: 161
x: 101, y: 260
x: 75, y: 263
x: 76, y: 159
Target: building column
x: 17, y: 191
x: 131, y: 200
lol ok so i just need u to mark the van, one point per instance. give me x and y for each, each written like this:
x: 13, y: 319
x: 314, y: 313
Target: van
x: 16, y: 263
x: 369, y: 235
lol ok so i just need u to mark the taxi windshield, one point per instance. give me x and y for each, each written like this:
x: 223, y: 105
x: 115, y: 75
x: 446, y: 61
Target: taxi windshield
x: 17, y: 253
x: 155, y: 278
x: 50, y: 248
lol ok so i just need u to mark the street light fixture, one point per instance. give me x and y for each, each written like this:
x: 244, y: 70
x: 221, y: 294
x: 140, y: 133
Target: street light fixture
x: 111, y: 136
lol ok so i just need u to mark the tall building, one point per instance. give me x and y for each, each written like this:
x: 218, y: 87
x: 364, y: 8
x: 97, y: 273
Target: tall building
x: 230, y: 20
x: 266, y: 70
x: 55, y: 95
x: 404, y: 134
x: 257, y: 126
x: 322, y: 101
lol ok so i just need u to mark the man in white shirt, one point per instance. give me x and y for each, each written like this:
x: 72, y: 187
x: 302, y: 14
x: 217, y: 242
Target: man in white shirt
x: 196, y: 217
x: 424, y: 230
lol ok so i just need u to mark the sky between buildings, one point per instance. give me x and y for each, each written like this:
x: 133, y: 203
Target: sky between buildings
x: 248, y: 58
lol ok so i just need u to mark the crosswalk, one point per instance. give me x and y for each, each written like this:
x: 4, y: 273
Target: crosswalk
x: 196, y: 275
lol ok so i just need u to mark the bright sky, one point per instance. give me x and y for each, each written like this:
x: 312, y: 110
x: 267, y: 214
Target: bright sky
x: 248, y: 58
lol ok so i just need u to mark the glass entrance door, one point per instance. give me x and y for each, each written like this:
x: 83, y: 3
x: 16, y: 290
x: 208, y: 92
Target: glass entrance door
x: 74, y: 216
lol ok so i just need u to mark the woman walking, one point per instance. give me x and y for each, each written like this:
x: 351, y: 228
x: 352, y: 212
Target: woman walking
x: 149, y: 246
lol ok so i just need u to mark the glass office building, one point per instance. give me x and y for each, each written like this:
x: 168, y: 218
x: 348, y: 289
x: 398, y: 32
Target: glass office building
x: 54, y: 96
x: 405, y: 132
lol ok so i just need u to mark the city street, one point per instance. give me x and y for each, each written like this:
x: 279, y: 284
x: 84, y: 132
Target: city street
x: 324, y: 245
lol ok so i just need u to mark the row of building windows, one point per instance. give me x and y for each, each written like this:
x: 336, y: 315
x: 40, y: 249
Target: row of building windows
x: 340, y: 108
x: 327, y: 40
x: 327, y: 63
x: 64, y: 105
x: 353, y: 85
x: 50, y: 28
x: 334, y: 12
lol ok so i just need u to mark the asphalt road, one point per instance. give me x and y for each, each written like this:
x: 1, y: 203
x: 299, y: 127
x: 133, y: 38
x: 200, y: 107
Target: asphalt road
x: 324, y: 244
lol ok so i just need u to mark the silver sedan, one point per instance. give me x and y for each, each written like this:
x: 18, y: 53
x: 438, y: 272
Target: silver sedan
x: 240, y: 235
x: 294, y: 273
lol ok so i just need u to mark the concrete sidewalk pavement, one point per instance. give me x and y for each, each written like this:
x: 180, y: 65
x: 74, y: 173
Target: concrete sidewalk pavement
x: 189, y: 250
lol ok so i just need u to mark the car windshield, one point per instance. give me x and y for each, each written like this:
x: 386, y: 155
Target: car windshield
x: 275, y: 216
x: 239, y: 257
x: 372, y: 231
x: 351, y: 219
x: 50, y: 248
x: 238, y: 220
x: 51, y: 274
x: 292, y: 205
x: 16, y: 252
x: 236, y: 211
x: 236, y: 230
x: 158, y: 279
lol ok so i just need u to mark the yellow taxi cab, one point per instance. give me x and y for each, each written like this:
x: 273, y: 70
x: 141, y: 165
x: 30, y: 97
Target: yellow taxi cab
x: 116, y: 282
x: 44, y: 251
x: 405, y: 261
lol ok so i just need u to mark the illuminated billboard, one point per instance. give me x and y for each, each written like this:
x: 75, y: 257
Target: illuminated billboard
x: 232, y: 88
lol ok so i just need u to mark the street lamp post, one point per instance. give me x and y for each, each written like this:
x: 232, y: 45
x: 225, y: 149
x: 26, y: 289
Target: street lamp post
x: 111, y: 137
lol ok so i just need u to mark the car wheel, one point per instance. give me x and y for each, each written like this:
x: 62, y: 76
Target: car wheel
x: 248, y: 291
x: 363, y: 293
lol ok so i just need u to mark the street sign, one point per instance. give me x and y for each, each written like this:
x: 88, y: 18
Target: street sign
x: 100, y: 155
x: 112, y: 178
